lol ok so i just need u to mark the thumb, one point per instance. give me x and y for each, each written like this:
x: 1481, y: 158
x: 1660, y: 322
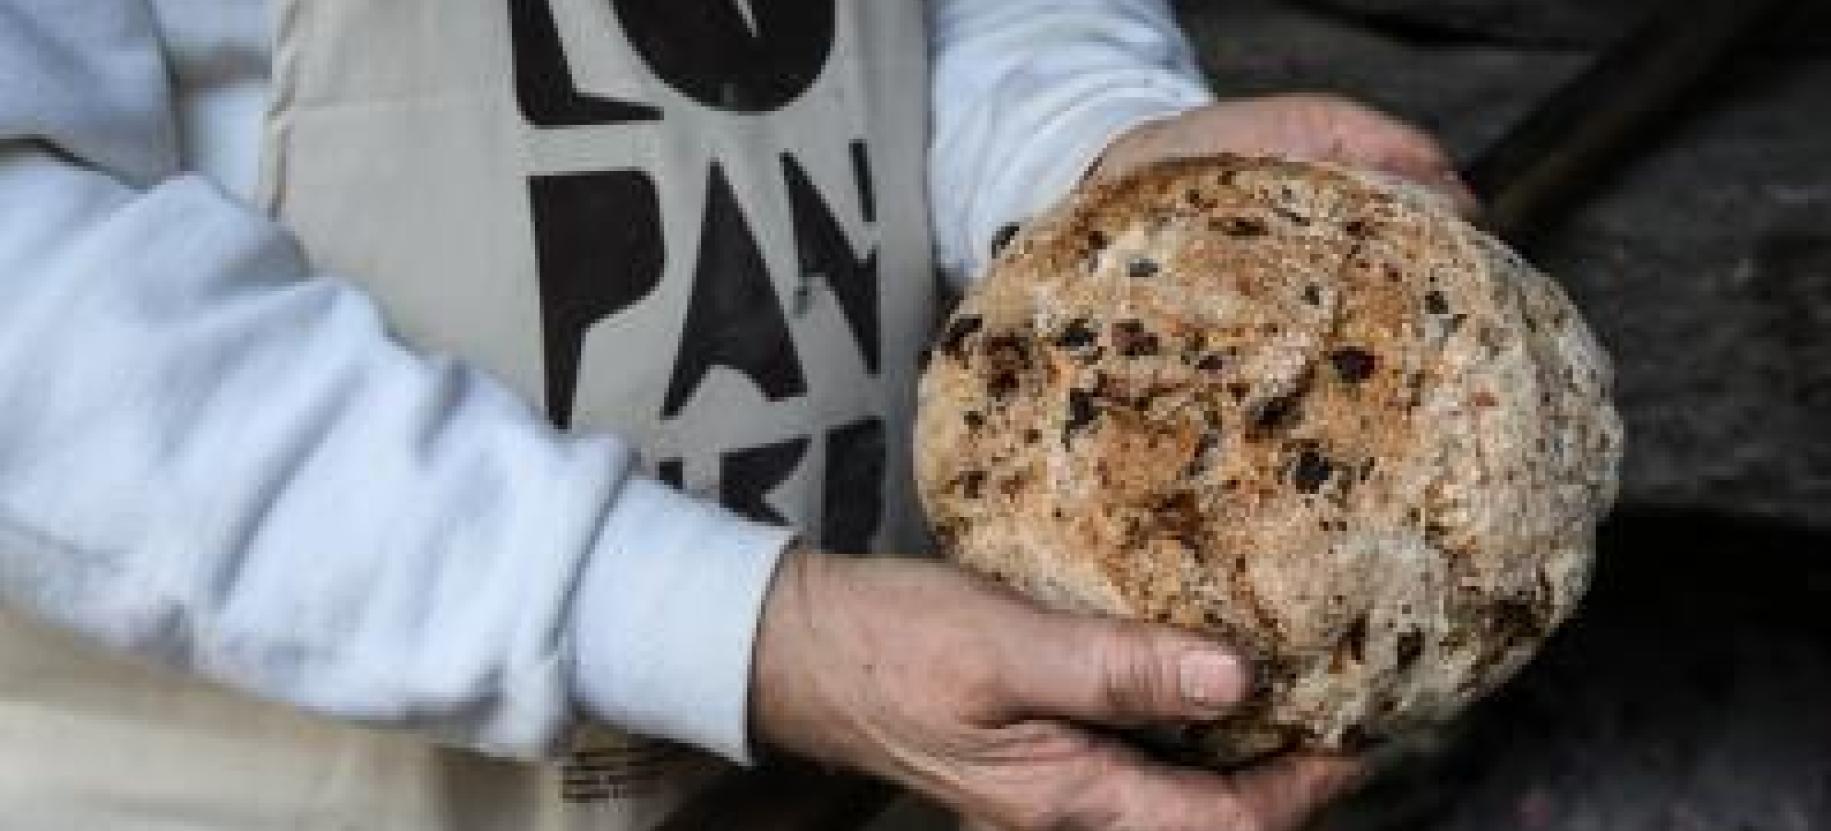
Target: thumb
x: 1121, y: 673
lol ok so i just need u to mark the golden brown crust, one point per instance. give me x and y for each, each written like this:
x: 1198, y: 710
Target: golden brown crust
x: 1303, y: 409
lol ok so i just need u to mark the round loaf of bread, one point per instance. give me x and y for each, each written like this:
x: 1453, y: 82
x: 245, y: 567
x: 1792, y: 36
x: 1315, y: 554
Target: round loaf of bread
x: 1309, y: 411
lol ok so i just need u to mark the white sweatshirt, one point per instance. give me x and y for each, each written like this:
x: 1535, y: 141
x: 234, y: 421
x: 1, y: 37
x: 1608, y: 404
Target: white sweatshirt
x: 216, y: 456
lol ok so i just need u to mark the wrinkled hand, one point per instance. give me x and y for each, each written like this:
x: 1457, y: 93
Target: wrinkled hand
x: 974, y: 697
x: 1301, y: 126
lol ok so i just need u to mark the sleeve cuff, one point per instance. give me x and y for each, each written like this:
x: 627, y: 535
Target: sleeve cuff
x: 1079, y: 135
x: 1095, y: 126
x: 665, y: 618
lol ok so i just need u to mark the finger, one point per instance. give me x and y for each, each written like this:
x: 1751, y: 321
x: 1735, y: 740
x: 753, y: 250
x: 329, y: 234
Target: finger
x: 1431, y: 169
x: 1410, y: 153
x: 1135, y: 794
x: 1367, y: 137
x: 1284, y: 792
x: 1119, y: 673
x: 1440, y: 181
x: 1468, y: 205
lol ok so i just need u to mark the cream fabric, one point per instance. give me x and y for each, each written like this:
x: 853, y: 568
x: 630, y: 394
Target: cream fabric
x: 672, y: 216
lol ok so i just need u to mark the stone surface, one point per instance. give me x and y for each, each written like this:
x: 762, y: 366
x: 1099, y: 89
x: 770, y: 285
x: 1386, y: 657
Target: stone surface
x: 1312, y: 413
x: 1554, y: 23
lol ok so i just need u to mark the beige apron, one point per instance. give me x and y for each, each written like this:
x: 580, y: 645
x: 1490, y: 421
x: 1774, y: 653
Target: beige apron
x: 697, y: 223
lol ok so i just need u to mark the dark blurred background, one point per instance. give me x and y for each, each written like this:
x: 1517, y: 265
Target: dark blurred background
x: 1694, y: 690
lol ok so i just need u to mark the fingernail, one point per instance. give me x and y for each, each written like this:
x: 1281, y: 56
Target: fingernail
x: 1211, y: 680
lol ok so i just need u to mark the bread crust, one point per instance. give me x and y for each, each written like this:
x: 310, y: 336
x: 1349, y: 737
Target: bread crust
x: 1304, y: 409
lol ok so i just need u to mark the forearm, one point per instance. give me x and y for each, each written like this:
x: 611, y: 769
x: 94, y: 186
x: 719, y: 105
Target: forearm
x: 214, y: 456
x: 211, y: 457
x: 1026, y: 95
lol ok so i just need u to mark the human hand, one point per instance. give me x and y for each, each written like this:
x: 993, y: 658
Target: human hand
x: 1300, y: 126
x: 970, y: 695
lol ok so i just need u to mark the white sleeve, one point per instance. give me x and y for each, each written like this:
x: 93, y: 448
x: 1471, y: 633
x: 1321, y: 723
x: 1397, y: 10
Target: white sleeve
x: 1026, y: 95
x: 213, y: 457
